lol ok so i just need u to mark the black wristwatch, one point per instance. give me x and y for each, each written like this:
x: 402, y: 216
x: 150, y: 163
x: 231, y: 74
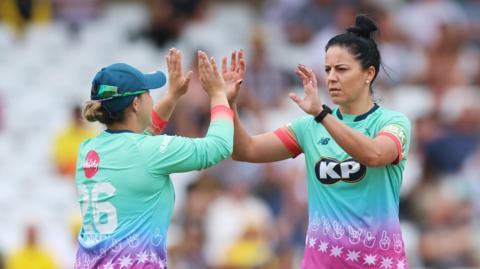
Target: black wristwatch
x: 326, y: 110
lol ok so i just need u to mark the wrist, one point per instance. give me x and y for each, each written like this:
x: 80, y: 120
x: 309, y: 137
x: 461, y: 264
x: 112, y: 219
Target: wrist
x: 218, y: 94
x: 317, y: 110
x: 172, y: 95
x: 323, y: 113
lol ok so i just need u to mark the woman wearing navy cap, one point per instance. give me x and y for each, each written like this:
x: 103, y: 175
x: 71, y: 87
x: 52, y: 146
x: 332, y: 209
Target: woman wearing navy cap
x: 123, y: 175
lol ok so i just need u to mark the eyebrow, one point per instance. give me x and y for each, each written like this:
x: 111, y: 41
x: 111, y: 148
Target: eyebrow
x: 342, y: 64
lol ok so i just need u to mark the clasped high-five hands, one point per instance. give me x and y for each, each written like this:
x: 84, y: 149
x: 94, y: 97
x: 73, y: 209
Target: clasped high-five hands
x: 212, y: 81
x: 231, y: 77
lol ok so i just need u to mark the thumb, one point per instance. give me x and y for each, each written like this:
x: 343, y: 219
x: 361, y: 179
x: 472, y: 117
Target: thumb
x: 188, y: 77
x: 238, y: 83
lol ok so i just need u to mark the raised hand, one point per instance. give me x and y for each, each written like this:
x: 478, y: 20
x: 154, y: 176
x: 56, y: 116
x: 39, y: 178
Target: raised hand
x: 311, y: 102
x: 234, y: 75
x: 210, y: 78
x: 178, y: 82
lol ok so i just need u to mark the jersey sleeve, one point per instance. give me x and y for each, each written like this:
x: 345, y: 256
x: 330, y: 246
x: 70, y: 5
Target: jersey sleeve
x: 174, y: 154
x: 398, y: 128
x: 291, y: 135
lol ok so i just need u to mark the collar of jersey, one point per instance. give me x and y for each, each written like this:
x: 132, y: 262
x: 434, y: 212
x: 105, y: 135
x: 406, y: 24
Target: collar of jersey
x: 110, y: 131
x: 357, y: 117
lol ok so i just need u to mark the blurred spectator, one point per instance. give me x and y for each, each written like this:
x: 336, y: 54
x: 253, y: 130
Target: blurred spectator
x: 18, y: 13
x: 67, y: 141
x: 344, y: 16
x: 302, y: 23
x: 168, y: 18
x: 444, y: 60
x: 229, y: 217
x: 264, y: 84
x: 421, y: 19
x: 32, y: 255
x: 188, y: 251
x: 450, y: 149
x: 446, y: 226
x: 76, y: 12
x: 398, y: 56
x: 252, y: 250
x: 2, y: 263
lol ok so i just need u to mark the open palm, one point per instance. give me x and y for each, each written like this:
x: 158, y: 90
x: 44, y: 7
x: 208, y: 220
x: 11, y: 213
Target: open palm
x: 311, y: 102
x: 177, y: 80
x: 234, y: 75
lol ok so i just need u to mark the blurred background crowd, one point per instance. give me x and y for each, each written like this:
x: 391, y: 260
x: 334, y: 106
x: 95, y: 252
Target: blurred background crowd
x: 236, y: 215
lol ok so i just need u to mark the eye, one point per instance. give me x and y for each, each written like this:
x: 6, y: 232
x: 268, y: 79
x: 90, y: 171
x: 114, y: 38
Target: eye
x: 327, y: 69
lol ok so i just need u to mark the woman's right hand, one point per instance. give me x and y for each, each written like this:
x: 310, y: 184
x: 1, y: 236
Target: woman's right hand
x: 311, y: 102
x: 210, y: 78
x: 234, y: 75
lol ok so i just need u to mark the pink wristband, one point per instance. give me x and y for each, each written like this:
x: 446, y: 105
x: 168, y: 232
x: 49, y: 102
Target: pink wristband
x: 158, y: 125
x: 221, y: 111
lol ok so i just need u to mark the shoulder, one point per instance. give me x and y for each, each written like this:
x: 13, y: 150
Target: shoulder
x: 388, y: 116
x: 302, y: 121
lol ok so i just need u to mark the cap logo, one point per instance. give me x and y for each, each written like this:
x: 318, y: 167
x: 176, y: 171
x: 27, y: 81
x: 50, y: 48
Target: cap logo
x: 90, y: 167
x: 107, y: 91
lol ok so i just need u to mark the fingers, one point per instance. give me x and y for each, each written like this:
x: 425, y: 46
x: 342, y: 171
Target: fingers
x: 241, y: 66
x: 167, y: 61
x: 203, y: 64
x: 214, y: 66
x: 174, y: 62
x: 308, y: 72
x: 178, y: 60
x: 301, y: 75
x: 188, y: 77
x: 224, y: 65
x: 233, y: 63
x: 306, y: 75
x: 295, y: 97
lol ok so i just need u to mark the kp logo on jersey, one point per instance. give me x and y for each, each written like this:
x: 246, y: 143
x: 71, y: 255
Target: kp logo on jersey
x: 330, y: 171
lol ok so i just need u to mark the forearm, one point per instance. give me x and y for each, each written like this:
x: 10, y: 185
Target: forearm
x: 241, y: 139
x: 219, y: 99
x: 165, y: 105
x: 217, y: 145
x: 361, y: 147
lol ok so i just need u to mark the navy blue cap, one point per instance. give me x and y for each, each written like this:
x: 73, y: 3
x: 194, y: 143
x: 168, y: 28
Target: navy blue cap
x: 116, y: 86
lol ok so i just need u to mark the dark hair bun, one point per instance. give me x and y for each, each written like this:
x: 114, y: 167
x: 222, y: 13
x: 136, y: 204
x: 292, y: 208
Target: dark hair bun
x: 364, y: 26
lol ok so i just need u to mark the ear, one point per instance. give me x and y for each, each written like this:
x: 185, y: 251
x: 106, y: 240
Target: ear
x: 135, y: 104
x: 370, y: 73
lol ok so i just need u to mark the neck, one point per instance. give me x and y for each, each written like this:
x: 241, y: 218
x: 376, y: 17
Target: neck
x: 358, y: 107
x: 130, y: 124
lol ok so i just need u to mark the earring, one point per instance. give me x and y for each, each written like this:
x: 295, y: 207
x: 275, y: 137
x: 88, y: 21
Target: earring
x: 367, y: 81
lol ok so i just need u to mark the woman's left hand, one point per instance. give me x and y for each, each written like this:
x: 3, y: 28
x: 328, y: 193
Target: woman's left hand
x: 177, y: 80
x: 311, y: 102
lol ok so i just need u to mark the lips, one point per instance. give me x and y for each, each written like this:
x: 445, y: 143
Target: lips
x: 334, y: 90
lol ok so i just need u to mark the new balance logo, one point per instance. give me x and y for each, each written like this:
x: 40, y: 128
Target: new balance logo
x: 324, y: 140
x: 330, y: 171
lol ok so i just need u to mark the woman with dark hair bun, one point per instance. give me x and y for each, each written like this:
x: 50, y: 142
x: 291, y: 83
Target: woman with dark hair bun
x: 355, y: 155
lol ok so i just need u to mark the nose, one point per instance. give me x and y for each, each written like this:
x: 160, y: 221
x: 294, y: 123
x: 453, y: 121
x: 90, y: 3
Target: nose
x: 331, y: 76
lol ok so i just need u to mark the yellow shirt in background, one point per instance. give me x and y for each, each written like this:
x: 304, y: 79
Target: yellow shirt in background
x: 65, y: 148
x: 31, y: 258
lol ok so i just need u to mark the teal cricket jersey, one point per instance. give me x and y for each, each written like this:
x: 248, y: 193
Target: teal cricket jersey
x: 353, y: 209
x: 126, y: 194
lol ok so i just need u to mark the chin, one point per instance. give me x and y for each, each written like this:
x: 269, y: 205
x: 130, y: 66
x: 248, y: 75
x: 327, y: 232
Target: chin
x: 337, y: 100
